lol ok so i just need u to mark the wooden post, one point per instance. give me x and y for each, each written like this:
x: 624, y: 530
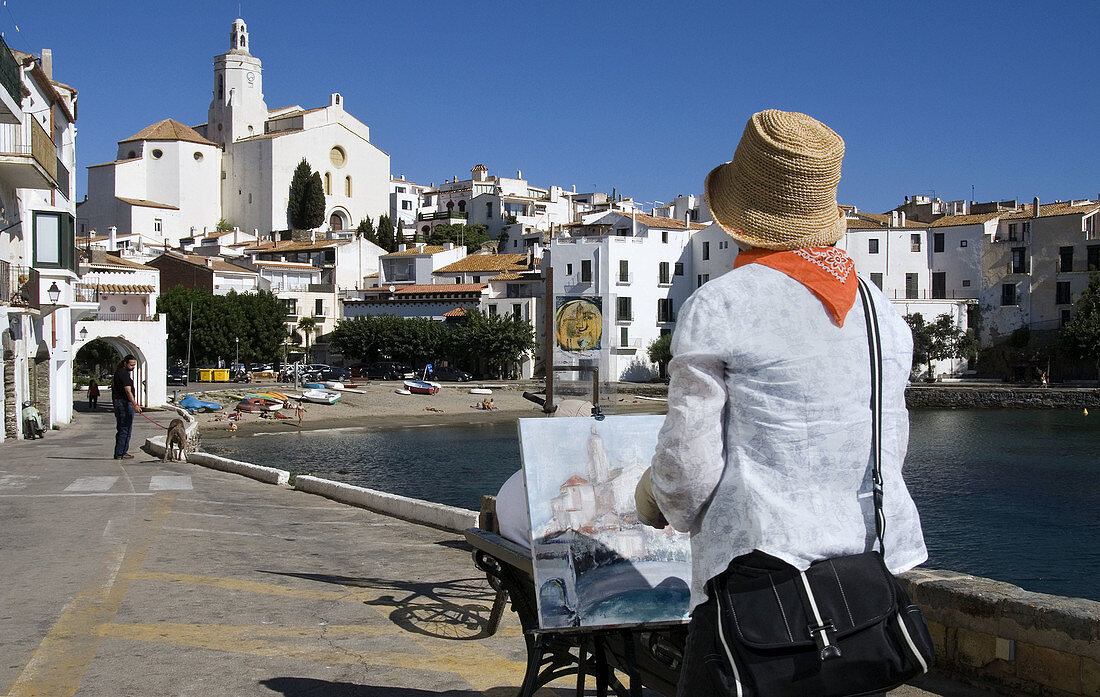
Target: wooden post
x: 548, y: 332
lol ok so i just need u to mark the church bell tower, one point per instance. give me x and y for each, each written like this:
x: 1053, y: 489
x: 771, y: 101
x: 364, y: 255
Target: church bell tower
x: 237, y: 110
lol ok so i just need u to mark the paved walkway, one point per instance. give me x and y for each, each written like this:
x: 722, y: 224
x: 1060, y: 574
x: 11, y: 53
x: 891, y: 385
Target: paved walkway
x: 130, y: 578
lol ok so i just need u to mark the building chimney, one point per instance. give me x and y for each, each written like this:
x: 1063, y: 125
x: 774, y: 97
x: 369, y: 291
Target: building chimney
x: 402, y: 247
x: 687, y: 220
x: 448, y: 246
x: 901, y: 218
x: 236, y: 235
x: 1035, y: 210
x: 47, y: 63
x: 91, y: 234
x: 893, y: 218
x: 519, y: 174
x: 209, y: 262
x: 112, y: 238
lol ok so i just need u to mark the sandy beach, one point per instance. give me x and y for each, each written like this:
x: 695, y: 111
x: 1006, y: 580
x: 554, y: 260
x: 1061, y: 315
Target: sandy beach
x: 379, y: 406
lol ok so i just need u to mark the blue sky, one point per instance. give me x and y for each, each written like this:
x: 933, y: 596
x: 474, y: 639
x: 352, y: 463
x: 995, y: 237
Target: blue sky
x: 641, y: 96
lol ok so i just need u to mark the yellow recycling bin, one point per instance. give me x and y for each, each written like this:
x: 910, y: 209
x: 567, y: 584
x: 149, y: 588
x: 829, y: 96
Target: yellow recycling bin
x: 221, y: 375
x: 206, y: 375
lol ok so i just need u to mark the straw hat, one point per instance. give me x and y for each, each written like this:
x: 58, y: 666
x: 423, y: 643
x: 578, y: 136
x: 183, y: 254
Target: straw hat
x: 779, y: 191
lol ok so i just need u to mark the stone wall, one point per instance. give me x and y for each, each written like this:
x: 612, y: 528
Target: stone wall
x: 998, y: 636
x: 950, y: 397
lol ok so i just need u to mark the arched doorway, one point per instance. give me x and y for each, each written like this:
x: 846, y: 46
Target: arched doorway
x: 146, y: 340
x: 335, y: 222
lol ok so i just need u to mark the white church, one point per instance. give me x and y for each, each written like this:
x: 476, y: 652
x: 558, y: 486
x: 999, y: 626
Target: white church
x: 171, y: 181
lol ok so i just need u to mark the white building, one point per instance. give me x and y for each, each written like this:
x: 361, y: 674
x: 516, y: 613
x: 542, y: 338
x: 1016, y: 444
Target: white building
x: 405, y: 197
x: 171, y: 181
x: 641, y: 267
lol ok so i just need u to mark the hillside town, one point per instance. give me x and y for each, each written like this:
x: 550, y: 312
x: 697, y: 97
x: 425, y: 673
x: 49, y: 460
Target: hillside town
x: 205, y: 206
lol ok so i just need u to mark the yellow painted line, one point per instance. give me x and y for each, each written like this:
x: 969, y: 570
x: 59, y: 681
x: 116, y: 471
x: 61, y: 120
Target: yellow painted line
x: 58, y: 664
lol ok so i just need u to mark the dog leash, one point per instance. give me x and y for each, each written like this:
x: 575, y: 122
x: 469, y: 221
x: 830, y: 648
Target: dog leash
x: 154, y: 422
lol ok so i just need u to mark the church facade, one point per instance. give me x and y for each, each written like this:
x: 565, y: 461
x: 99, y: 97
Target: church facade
x: 171, y: 181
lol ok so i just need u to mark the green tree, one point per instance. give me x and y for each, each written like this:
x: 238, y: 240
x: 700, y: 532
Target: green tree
x: 401, y: 232
x: 660, y: 351
x: 473, y: 236
x: 495, y: 341
x: 96, y: 358
x: 305, y: 209
x: 218, y: 321
x: 937, y: 340
x: 366, y: 230
x: 1081, y: 337
x: 307, y: 325
x: 223, y: 226
x: 387, y: 238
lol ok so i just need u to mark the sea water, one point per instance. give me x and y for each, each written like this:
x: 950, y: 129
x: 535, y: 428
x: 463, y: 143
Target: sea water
x: 1007, y: 494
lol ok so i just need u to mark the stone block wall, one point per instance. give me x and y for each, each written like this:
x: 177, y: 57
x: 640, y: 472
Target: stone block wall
x: 999, y: 636
x: 943, y: 397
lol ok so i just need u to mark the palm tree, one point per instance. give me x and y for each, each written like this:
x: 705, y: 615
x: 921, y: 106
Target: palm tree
x: 307, y: 325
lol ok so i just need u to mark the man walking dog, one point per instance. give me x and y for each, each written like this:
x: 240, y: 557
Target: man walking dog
x: 125, y: 404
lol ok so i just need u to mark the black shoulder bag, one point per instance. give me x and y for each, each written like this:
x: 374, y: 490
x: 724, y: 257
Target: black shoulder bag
x: 841, y: 628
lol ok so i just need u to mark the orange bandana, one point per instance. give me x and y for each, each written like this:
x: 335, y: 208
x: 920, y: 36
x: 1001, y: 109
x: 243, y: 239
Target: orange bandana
x: 827, y: 271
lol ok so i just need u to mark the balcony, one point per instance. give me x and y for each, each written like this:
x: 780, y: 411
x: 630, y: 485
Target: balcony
x: 322, y: 287
x: 19, y: 285
x: 28, y: 158
x: 444, y: 215
x: 124, y: 317
x: 11, y: 89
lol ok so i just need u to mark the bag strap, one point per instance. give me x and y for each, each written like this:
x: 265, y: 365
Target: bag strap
x: 875, y: 347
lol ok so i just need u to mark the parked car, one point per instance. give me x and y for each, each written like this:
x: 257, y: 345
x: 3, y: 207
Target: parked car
x: 312, y: 371
x: 449, y: 373
x: 335, y: 374
x: 177, y: 375
x: 389, y: 370
x: 359, y: 370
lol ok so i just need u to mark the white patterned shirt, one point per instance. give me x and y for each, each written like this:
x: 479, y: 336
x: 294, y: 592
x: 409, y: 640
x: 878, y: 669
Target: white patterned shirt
x: 767, y: 441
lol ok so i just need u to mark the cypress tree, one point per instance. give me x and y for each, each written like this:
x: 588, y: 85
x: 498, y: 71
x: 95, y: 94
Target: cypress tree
x: 386, y: 238
x: 314, y: 214
x: 299, y: 186
x: 366, y: 230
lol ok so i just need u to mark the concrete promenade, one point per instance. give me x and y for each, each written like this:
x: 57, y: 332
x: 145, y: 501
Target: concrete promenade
x: 136, y: 577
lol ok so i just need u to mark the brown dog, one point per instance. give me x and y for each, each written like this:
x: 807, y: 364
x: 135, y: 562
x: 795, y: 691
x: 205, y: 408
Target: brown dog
x: 175, y: 443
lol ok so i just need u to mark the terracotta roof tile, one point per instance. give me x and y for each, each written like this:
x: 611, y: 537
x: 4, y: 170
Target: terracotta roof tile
x: 427, y: 249
x: 507, y: 276
x: 218, y: 264
x: 880, y: 220
x: 1048, y: 210
x: 119, y: 289
x: 970, y: 219
x: 115, y: 162
x: 424, y: 288
x: 168, y: 129
x: 659, y: 222
x: 294, y: 246
x: 457, y: 312
x: 269, y: 136
x: 102, y: 258
x: 486, y: 262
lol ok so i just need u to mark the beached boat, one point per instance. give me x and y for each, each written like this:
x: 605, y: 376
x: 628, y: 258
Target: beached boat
x: 334, y: 385
x: 480, y: 390
x: 422, y: 386
x: 313, y: 385
x: 258, y: 404
x: 321, y: 396
x: 402, y: 390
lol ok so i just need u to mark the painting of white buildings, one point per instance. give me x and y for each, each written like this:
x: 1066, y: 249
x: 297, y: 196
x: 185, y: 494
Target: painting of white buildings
x: 595, y: 563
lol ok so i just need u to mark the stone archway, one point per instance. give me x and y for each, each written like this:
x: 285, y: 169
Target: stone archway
x: 339, y: 220
x: 146, y: 340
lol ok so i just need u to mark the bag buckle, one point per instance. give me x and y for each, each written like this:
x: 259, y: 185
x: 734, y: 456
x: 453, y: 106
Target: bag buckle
x: 824, y: 635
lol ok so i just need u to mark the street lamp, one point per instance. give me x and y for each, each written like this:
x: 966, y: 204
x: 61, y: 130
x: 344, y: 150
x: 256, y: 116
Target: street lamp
x: 83, y: 333
x: 237, y: 359
x: 54, y: 292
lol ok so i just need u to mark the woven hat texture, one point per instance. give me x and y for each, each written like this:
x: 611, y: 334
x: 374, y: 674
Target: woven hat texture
x: 779, y: 191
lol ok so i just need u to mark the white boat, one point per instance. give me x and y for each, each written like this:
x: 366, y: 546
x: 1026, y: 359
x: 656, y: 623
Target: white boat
x: 480, y: 390
x: 422, y: 386
x: 321, y: 396
x: 401, y: 390
x: 334, y: 385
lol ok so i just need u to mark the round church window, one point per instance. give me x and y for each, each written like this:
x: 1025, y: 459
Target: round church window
x: 157, y: 154
x: 338, y: 156
x: 198, y: 156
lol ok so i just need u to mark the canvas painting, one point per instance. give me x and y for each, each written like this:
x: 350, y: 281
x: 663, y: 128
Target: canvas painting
x: 578, y: 323
x: 595, y: 563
